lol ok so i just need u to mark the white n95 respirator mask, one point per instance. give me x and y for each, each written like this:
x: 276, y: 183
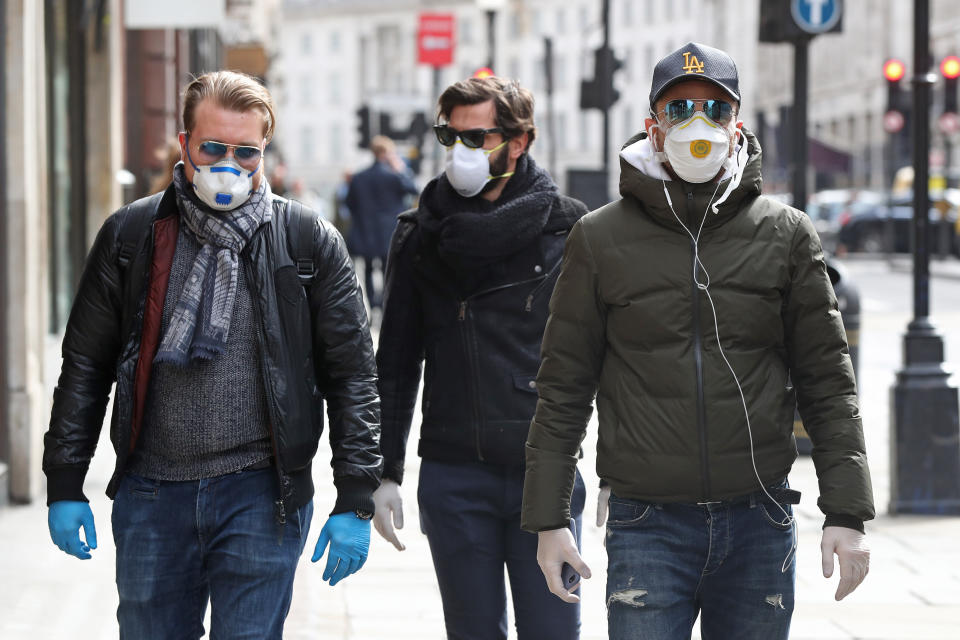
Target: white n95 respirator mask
x: 223, y: 186
x: 468, y: 170
x: 697, y: 148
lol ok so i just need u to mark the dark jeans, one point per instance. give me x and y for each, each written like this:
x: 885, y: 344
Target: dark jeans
x: 667, y: 562
x: 471, y: 515
x: 182, y: 543
x: 374, y: 296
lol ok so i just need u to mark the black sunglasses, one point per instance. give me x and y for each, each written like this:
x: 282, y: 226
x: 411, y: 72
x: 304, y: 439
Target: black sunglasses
x: 471, y: 138
x: 679, y: 110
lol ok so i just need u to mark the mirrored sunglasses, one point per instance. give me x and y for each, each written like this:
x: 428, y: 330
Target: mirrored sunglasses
x: 471, y: 138
x: 676, y: 111
x: 212, y: 151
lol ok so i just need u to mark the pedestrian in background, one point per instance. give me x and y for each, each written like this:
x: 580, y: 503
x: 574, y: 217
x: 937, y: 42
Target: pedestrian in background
x: 191, y: 302
x: 375, y: 196
x: 699, y: 314
x: 468, y: 281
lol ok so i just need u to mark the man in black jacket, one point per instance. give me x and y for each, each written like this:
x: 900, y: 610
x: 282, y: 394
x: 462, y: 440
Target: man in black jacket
x: 469, y: 276
x: 222, y: 355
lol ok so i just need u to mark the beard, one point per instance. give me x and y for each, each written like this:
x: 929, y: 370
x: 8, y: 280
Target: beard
x: 498, y: 166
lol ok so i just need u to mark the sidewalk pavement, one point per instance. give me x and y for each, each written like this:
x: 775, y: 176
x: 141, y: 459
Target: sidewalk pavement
x: 911, y: 593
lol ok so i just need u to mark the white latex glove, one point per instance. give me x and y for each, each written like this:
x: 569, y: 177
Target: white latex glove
x: 603, y: 501
x: 389, y: 512
x: 853, y: 553
x: 555, y: 547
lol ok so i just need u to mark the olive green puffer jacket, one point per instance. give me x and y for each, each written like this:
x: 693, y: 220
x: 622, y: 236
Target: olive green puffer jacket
x: 633, y: 326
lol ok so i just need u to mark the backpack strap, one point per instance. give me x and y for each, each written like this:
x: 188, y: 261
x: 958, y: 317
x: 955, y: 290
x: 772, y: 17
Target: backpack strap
x: 138, y: 220
x: 300, y: 235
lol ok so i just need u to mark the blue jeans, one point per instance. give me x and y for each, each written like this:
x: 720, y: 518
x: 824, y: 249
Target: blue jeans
x: 471, y: 515
x: 667, y: 562
x: 182, y: 543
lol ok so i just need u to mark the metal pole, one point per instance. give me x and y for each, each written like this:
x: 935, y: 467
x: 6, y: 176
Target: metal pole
x: 606, y: 108
x: 551, y: 128
x: 800, y: 74
x: 491, y: 38
x: 925, y: 458
x: 437, y: 150
x: 4, y: 253
x: 922, y: 83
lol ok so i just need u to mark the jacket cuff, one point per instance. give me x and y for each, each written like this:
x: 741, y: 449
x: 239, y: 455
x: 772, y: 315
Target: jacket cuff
x: 353, y: 494
x: 842, y: 520
x: 66, y: 483
x: 393, y: 470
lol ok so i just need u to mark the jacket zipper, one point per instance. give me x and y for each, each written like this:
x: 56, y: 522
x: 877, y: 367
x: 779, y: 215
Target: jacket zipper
x: 698, y: 362
x: 281, y: 511
x: 536, y: 291
x: 466, y: 338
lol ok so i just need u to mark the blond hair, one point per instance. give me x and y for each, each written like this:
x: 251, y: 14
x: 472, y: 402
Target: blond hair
x: 231, y: 90
x: 381, y: 145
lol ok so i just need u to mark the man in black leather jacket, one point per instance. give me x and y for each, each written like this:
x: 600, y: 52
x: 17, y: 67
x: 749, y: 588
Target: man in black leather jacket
x: 468, y: 280
x: 223, y: 348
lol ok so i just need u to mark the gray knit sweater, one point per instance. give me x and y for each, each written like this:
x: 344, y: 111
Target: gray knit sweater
x: 209, y: 418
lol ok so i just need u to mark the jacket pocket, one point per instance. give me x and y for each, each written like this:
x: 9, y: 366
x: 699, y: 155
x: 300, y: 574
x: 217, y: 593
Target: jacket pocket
x: 525, y: 382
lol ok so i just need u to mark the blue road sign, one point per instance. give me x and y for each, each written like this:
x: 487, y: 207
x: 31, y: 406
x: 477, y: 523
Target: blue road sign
x: 816, y: 16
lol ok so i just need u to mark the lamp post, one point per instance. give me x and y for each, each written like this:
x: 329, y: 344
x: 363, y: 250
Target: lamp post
x: 489, y: 8
x: 924, y: 449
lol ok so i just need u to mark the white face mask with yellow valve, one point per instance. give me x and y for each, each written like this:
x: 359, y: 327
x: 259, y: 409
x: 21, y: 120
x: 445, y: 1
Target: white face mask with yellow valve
x: 697, y: 148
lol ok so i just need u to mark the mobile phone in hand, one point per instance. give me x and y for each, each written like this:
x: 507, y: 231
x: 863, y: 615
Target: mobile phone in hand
x: 568, y: 574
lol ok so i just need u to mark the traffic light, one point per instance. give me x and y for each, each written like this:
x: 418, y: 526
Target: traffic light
x: 363, y: 127
x: 600, y: 93
x: 950, y: 68
x: 893, y: 71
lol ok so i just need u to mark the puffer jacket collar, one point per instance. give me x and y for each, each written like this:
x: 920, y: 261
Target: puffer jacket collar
x: 647, y: 190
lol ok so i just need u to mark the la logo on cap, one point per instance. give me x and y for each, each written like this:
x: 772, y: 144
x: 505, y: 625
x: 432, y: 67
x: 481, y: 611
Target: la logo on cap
x: 691, y: 64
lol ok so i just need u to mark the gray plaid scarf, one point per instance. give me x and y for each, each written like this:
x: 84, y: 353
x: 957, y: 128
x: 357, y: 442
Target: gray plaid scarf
x: 200, y: 323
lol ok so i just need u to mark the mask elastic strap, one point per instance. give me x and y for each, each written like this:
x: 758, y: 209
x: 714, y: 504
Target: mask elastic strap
x: 741, y: 162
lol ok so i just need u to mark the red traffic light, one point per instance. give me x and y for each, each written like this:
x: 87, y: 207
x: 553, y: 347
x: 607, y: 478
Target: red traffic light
x: 893, y: 70
x: 950, y: 67
x: 483, y: 72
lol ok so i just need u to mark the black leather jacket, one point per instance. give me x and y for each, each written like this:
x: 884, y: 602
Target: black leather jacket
x: 315, y: 345
x: 481, y: 348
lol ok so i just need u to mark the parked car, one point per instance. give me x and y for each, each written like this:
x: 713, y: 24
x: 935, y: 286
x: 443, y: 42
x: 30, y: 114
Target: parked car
x: 888, y: 227
x: 827, y: 209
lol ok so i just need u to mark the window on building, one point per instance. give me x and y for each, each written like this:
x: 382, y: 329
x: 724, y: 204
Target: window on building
x: 515, y: 25
x: 584, y: 18
x: 465, y: 30
x: 536, y: 22
x: 336, y: 143
x: 306, y: 44
x: 559, y: 73
x: 306, y: 145
x: 561, y: 21
x: 306, y: 91
x: 649, y: 17
x: 649, y: 60
x: 668, y: 10
x: 334, y: 42
x: 562, y: 132
x: 628, y: 12
x: 513, y: 69
x: 335, y: 90
x: 629, y: 126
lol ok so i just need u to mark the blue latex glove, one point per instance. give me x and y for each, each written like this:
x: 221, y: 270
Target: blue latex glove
x: 349, y: 539
x: 65, y: 519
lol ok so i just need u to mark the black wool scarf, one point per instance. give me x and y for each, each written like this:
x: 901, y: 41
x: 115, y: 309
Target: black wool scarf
x: 471, y: 233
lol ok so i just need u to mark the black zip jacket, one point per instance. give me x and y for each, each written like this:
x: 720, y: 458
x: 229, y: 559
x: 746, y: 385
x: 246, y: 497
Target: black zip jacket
x: 314, y: 343
x: 482, y: 347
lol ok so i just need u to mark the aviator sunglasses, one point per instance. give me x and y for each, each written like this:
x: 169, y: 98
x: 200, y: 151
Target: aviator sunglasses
x: 677, y: 111
x: 211, y: 151
x: 471, y: 138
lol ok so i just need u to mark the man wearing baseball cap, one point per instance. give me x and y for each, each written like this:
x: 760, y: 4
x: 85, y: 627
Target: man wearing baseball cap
x: 699, y: 313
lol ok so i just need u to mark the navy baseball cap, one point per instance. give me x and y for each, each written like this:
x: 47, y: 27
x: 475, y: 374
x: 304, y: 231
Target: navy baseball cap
x: 695, y: 61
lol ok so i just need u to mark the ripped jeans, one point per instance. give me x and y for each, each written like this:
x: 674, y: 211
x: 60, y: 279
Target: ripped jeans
x: 669, y: 562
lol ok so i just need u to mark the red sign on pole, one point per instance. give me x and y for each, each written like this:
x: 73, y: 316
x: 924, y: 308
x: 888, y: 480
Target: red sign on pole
x: 435, y: 39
